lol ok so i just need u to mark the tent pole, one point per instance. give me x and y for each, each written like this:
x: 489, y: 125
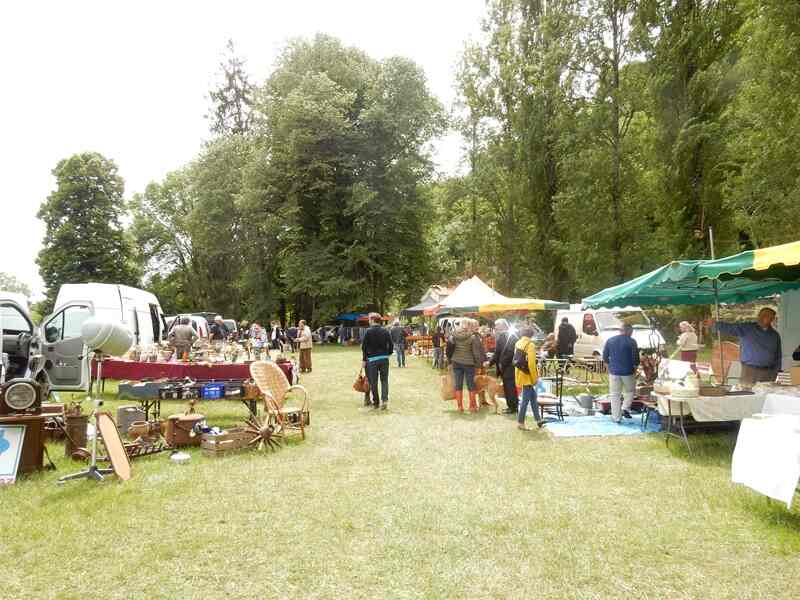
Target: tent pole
x: 723, y: 374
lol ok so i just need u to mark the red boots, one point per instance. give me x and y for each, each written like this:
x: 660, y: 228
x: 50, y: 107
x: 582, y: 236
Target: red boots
x: 460, y: 400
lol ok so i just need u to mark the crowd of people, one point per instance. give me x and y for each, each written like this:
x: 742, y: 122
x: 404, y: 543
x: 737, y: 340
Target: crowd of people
x: 513, y: 358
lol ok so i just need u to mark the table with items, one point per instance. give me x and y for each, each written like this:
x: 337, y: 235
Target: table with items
x: 151, y: 382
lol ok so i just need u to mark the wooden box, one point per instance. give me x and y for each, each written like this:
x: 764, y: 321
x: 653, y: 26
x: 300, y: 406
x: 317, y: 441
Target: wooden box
x: 225, y: 443
x: 32, y: 458
x: 182, y: 430
x: 795, y: 371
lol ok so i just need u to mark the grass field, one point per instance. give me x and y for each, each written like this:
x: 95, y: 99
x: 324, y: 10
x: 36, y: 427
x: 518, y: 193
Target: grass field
x: 415, y: 502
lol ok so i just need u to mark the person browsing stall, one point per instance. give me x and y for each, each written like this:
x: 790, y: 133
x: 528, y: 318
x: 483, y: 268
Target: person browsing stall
x: 218, y: 331
x: 306, y: 343
x: 760, y: 346
x: 182, y: 337
x: 437, y: 341
x: 687, y: 345
x: 526, y: 376
x: 621, y: 354
x: 502, y: 360
x: 565, y: 341
x: 376, y: 348
x: 398, y: 334
x: 466, y: 353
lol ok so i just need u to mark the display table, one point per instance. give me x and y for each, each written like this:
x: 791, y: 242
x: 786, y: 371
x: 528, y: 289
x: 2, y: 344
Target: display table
x: 120, y: 369
x: 776, y: 403
x: 705, y: 409
x: 767, y: 456
x: 708, y: 409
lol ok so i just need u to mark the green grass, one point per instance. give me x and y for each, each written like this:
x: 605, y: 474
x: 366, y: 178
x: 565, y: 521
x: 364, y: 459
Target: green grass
x: 416, y: 502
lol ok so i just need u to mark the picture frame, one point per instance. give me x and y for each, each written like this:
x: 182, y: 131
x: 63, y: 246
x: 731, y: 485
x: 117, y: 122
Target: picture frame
x: 12, y: 438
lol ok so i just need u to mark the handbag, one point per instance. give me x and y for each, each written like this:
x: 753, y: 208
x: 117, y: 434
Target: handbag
x: 448, y: 393
x: 361, y: 385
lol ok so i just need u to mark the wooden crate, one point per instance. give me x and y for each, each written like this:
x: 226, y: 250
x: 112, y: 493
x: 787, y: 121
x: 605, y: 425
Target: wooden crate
x: 230, y: 441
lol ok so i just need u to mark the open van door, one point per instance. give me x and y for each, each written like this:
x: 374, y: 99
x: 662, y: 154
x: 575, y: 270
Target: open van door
x: 66, y: 360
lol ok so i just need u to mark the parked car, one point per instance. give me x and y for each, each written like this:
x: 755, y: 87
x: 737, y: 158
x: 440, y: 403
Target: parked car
x: 233, y: 327
x: 595, y: 326
x: 328, y: 334
x: 138, y: 310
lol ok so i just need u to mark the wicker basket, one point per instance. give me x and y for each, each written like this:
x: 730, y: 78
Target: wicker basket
x: 713, y: 390
x: 231, y: 441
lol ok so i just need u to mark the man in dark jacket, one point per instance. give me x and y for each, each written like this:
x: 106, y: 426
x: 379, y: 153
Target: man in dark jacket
x: 398, y: 334
x: 503, y: 361
x: 565, y: 342
x: 376, y: 348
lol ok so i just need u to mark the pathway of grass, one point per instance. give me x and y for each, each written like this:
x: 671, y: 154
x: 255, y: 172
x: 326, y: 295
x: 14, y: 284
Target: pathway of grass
x: 417, y: 502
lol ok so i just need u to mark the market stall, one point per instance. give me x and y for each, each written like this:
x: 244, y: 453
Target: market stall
x: 740, y: 278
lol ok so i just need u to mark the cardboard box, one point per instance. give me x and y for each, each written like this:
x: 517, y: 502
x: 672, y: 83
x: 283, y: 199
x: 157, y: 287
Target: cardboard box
x: 795, y: 375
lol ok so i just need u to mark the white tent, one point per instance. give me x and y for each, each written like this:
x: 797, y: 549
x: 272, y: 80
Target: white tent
x: 467, y: 297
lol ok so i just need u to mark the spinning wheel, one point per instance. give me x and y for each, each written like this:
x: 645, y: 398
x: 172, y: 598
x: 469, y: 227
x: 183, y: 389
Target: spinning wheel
x: 265, y: 431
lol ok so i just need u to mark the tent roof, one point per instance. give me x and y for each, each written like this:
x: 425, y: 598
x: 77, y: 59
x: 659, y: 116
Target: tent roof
x: 778, y: 263
x: 522, y: 305
x: 467, y: 297
x: 740, y: 278
x: 418, y: 309
x: 474, y: 296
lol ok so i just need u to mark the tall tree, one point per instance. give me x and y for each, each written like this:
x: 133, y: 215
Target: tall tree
x: 692, y: 47
x: 84, y: 238
x: 762, y: 181
x: 521, y: 81
x: 232, y: 100
x: 346, y: 139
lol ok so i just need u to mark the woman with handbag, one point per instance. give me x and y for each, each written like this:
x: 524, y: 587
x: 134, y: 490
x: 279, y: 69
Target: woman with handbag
x: 466, y: 353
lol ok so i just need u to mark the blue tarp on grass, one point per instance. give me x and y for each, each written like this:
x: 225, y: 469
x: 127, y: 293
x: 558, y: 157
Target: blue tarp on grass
x: 600, y: 426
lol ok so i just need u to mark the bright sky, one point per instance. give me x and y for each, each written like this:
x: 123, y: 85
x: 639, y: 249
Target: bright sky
x: 129, y: 80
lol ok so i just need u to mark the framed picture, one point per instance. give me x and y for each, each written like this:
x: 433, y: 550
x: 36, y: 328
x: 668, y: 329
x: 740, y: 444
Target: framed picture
x: 11, y: 439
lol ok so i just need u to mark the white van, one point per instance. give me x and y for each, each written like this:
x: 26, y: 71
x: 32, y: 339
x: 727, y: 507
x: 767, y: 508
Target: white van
x: 595, y: 326
x: 199, y: 324
x: 137, y: 309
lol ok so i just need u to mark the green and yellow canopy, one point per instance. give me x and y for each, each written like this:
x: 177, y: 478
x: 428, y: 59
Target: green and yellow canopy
x: 740, y: 278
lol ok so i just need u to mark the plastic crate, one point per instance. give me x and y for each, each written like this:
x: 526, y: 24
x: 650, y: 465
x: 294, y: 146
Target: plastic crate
x: 213, y: 391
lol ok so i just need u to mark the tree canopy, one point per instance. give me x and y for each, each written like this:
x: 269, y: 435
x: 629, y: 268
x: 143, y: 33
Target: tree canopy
x: 84, y: 235
x: 602, y: 139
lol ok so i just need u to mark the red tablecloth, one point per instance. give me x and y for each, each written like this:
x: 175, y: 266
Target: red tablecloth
x: 136, y: 371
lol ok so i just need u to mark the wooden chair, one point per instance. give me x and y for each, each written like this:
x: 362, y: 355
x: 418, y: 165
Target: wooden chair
x: 273, y: 384
x: 725, y: 368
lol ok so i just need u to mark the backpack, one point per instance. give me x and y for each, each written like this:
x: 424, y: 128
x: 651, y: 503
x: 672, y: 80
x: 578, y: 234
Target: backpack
x: 520, y: 360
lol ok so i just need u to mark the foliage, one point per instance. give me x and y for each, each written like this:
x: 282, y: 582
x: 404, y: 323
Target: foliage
x: 233, y: 98
x: 9, y: 283
x: 84, y: 238
x: 763, y: 175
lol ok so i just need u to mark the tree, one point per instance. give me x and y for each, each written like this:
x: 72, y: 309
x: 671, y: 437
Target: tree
x: 232, y: 100
x: 521, y: 85
x: 762, y: 183
x: 345, y: 136
x: 84, y: 238
x: 692, y: 48
x: 9, y: 283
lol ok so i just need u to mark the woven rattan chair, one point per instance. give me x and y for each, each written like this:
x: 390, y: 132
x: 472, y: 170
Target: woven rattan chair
x: 272, y: 382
